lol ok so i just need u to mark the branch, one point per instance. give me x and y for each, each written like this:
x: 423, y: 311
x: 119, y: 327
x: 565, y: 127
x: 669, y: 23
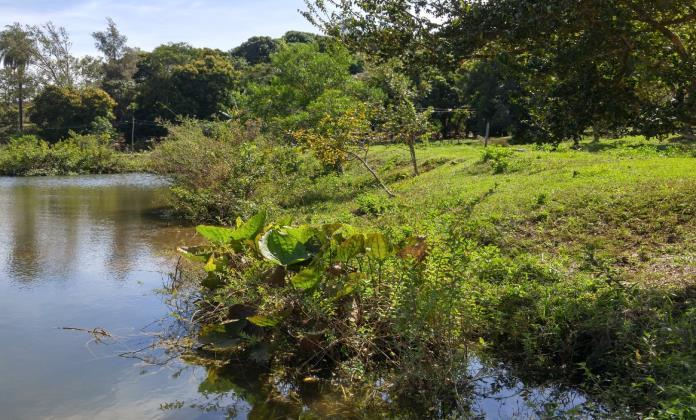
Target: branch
x: 664, y: 30
x: 372, y: 171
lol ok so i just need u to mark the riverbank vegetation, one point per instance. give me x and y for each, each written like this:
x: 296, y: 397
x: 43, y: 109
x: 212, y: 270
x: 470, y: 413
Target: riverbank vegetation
x: 572, y: 265
x: 426, y: 182
x: 76, y: 155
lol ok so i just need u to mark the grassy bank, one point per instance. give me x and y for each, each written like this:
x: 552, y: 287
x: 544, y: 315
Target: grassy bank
x: 573, y: 265
x: 76, y: 155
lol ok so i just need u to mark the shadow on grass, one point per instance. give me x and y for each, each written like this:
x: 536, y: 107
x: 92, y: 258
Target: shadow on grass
x: 678, y: 145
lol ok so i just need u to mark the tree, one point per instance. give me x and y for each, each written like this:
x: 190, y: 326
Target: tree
x: 111, y: 42
x: 57, y: 111
x: 493, y: 89
x: 256, y: 50
x: 52, y: 58
x: 338, y: 138
x: 17, y: 50
x: 300, y: 37
x: 642, y: 48
x: 441, y: 90
x: 118, y: 68
x: 203, y: 88
x: 302, y: 73
x: 400, y: 118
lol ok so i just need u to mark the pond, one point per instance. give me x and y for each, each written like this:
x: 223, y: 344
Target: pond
x: 81, y: 263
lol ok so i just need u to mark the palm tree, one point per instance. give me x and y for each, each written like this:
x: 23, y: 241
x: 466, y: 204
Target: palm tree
x: 16, y: 52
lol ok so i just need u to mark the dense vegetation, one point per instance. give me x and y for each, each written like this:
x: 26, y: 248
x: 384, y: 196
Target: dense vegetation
x: 361, y: 246
x: 77, y: 154
x: 573, y: 265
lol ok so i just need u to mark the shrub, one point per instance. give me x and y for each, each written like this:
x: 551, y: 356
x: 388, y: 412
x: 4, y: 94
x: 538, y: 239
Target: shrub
x: 220, y: 170
x: 498, y: 157
x: 78, y: 154
x: 372, y: 204
x: 23, y: 156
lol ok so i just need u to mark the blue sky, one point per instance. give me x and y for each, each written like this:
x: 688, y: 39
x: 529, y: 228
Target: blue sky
x: 147, y: 23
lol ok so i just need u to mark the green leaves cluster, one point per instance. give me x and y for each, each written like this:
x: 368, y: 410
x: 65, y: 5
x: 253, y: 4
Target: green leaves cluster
x: 332, y: 262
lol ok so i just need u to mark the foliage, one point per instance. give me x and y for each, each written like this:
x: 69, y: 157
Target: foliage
x: 333, y: 138
x: 498, y: 157
x: 256, y: 50
x: 303, y: 72
x: 401, y: 121
x: 52, y: 57
x: 542, y: 271
x: 202, y: 88
x: 372, y: 204
x: 598, y: 64
x: 57, y: 111
x: 16, y: 53
x: 222, y: 170
x: 78, y: 154
x: 310, y: 295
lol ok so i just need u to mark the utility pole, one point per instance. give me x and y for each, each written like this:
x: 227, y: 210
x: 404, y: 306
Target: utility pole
x: 133, y: 134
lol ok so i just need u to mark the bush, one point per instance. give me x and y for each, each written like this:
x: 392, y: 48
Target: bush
x: 372, y: 204
x: 221, y: 170
x: 23, y: 156
x: 498, y: 157
x: 78, y: 154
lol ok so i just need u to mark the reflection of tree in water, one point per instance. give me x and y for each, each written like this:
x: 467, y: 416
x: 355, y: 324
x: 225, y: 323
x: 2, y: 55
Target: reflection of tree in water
x: 237, y: 387
x: 24, y: 255
x: 55, y: 229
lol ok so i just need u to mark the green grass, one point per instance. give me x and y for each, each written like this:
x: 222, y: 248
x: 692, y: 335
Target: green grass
x: 636, y: 206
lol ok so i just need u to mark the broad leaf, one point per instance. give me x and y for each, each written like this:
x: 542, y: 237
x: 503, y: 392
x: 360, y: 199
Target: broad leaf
x: 250, y: 228
x: 282, y: 248
x: 263, y: 321
x: 196, y: 253
x: 284, y: 221
x: 211, y: 265
x: 302, y: 233
x: 217, y: 235
x: 350, y: 248
x: 377, y: 246
x: 212, y: 281
x: 306, y: 279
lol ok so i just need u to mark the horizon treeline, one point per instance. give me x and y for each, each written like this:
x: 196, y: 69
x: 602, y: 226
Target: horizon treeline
x: 440, y: 73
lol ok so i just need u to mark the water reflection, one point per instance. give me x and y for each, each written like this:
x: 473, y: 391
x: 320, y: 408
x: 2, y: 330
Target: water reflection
x: 50, y: 224
x: 244, y: 390
x: 82, y: 252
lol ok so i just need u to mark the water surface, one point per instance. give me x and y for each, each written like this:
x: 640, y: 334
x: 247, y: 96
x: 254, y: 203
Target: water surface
x: 83, y: 252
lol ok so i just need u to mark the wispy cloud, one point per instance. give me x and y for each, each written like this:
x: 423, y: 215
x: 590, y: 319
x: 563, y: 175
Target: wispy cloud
x: 147, y: 23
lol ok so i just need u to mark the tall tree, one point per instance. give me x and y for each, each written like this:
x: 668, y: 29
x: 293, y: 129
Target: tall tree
x: 111, y: 42
x: 645, y: 49
x: 53, y: 59
x: 302, y: 73
x: 119, y: 67
x: 256, y: 50
x: 17, y: 49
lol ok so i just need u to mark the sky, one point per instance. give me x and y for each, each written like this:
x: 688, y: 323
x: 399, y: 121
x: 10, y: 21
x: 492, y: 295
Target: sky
x: 222, y: 24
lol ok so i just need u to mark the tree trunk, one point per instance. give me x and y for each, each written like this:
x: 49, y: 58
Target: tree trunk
x: 595, y: 133
x: 21, y: 105
x: 412, y: 149
x: 488, y: 133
